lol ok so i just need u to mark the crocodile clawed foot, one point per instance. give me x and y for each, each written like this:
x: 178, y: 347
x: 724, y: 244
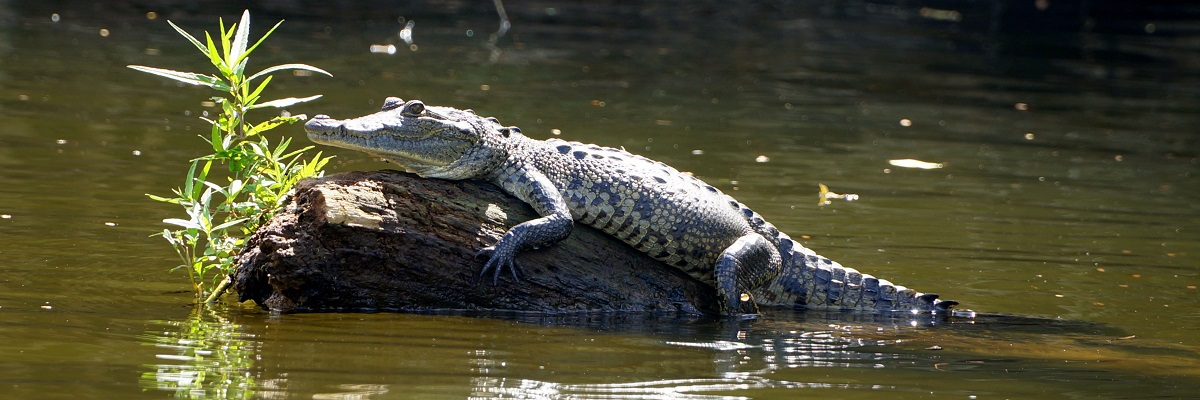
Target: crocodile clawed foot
x: 496, y: 264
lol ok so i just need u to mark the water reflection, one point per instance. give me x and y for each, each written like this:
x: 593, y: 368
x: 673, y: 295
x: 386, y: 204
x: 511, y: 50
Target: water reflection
x: 737, y: 357
x: 653, y: 389
x: 634, y: 355
x: 204, y: 356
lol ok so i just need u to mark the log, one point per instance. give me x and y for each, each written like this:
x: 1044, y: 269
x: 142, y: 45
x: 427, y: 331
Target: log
x: 392, y: 241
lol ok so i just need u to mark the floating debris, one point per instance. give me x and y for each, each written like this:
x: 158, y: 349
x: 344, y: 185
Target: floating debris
x: 826, y: 195
x: 762, y: 159
x: 941, y: 15
x: 918, y: 164
x: 406, y: 34
x: 383, y: 48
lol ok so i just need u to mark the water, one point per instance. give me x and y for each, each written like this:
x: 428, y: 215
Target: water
x: 1065, y: 209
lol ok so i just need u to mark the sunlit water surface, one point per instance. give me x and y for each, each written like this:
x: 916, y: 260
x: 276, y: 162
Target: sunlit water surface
x: 1065, y: 205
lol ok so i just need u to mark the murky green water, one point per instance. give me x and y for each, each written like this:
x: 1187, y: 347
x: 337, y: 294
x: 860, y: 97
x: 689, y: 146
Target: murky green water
x: 1067, y: 201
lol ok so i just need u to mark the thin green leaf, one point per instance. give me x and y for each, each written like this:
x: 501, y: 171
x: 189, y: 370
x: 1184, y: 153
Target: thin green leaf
x: 261, y: 39
x: 257, y: 91
x: 189, y: 37
x: 240, y: 39
x: 214, y: 57
x: 281, y: 67
x: 215, y: 138
x: 235, y: 188
x: 204, y: 173
x: 255, y: 147
x: 185, y: 77
x: 163, y: 199
x: 239, y: 70
x: 228, y: 224
x: 182, y: 222
x: 225, y: 45
x: 313, y: 168
x: 188, y: 185
x: 283, y: 145
x: 264, y: 126
x: 295, y: 153
x: 285, y: 102
x: 215, y: 188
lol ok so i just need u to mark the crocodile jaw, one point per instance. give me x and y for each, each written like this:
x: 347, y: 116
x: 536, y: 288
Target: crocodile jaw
x: 436, y: 145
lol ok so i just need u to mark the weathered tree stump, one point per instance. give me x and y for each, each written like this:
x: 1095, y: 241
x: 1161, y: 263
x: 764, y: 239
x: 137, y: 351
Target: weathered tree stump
x: 391, y: 241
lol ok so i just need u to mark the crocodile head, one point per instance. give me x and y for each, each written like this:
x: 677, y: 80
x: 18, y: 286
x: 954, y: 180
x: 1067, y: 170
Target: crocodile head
x: 434, y: 142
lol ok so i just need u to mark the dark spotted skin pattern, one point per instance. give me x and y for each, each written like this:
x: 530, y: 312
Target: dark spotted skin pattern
x: 669, y: 215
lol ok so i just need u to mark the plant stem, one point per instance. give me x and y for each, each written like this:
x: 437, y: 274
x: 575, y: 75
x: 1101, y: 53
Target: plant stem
x: 220, y: 290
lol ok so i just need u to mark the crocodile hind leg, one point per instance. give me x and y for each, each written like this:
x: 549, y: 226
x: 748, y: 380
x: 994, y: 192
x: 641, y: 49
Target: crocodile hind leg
x: 746, y: 264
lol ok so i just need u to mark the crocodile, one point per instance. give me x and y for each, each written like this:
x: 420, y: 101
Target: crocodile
x: 669, y: 215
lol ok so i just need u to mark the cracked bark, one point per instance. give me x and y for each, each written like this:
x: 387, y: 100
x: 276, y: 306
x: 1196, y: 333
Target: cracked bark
x: 391, y: 241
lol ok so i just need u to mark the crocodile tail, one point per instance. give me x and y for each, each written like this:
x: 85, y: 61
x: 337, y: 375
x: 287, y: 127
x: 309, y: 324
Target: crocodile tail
x: 810, y: 280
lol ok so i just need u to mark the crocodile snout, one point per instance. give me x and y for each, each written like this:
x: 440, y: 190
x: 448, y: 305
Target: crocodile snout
x: 321, y: 124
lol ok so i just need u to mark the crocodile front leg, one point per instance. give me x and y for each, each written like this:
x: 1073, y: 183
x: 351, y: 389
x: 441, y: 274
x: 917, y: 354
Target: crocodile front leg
x: 749, y: 262
x: 532, y: 187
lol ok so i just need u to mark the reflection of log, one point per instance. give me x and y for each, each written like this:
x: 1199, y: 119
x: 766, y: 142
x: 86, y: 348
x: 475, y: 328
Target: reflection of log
x: 388, y: 240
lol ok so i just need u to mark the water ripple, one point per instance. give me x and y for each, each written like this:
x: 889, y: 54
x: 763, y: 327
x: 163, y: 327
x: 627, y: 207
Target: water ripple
x: 699, y: 388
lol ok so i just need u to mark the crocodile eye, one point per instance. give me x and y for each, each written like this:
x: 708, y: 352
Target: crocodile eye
x: 413, y: 109
x: 392, y: 103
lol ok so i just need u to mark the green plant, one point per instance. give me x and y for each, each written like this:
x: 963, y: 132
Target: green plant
x: 259, y: 176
